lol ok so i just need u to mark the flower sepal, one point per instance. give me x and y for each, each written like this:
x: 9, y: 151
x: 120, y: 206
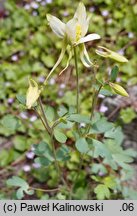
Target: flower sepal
x: 33, y: 94
x: 107, y: 53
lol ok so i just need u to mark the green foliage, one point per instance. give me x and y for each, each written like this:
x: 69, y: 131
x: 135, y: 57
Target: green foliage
x: 101, y: 126
x: 10, y: 122
x: 62, y: 111
x: 20, y: 143
x: 21, y: 99
x: 44, y: 153
x: 116, y: 134
x: 102, y: 192
x: 114, y: 73
x: 110, y: 182
x: 60, y: 136
x: 79, y: 118
x: 49, y: 112
x: 82, y: 145
x: 129, y: 193
x: 63, y: 153
x: 127, y: 115
x: 21, y: 184
x: 96, y: 168
x: 7, y: 156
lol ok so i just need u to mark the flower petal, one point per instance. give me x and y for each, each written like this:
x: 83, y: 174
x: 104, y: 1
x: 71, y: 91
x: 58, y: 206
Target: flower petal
x: 71, y: 30
x: 58, y: 62
x: 104, y: 52
x: 89, y: 37
x: 80, y: 13
x: 33, y: 93
x: 57, y: 26
x: 117, y: 57
x: 85, y: 57
x: 82, y: 19
x: 68, y: 61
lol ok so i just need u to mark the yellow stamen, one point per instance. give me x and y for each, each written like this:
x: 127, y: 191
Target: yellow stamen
x: 78, y: 32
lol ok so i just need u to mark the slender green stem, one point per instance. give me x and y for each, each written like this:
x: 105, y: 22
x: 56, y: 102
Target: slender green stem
x: 44, y: 116
x: 44, y: 190
x: 45, y: 126
x: 54, y: 154
x: 77, y: 79
x: 94, y: 102
x: 60, y: 173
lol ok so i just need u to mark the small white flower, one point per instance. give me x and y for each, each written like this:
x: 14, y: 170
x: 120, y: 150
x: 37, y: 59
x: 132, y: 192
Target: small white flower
x: 101, y: 173
x: 82, y: 124
x: 34, y: 13
x: 36, y: 165
x: 30, y: 155
x: 14, y: 58
x: 33, y: 118
x: 24, y: 115
x: 62, y: 85
x: 10, y: 100
x: 101, y: 96
x: 109, y: 21
x: 105, y: 13
x: 103, y: 108
x: 26, y: 168
x: 7, y: 84
x: 92, y: 9
x: 121, y: 52
x: 27, y: 6
x: 43, y: 3
x: 34, y: 5
x: 65, y: 13
x: 60, y: 93
x: 130, y: 35
x: 52, y: 81
x: 48, y: 1
x: 118, y: 79
x: 41, y: 79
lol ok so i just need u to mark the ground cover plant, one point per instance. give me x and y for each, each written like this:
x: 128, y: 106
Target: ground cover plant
x: 77, y: 152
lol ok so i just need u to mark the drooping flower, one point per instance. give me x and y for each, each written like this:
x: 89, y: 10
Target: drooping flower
x: 107, y: 53
x: 73, y: 34
x: 33, y: 93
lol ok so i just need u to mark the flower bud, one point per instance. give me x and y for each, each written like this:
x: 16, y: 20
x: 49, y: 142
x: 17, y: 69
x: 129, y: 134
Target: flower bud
x: 118, y: 89
x: 33, y: 93
x: 104, y: 52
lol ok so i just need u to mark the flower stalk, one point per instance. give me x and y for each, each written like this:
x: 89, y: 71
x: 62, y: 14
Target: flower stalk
x: 77, y: 80
x: 44, y: 116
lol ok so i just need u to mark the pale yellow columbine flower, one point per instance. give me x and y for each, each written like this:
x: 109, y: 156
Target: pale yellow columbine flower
x: 104, y: 52
x: 73, y: 34
x: 33, y: 93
